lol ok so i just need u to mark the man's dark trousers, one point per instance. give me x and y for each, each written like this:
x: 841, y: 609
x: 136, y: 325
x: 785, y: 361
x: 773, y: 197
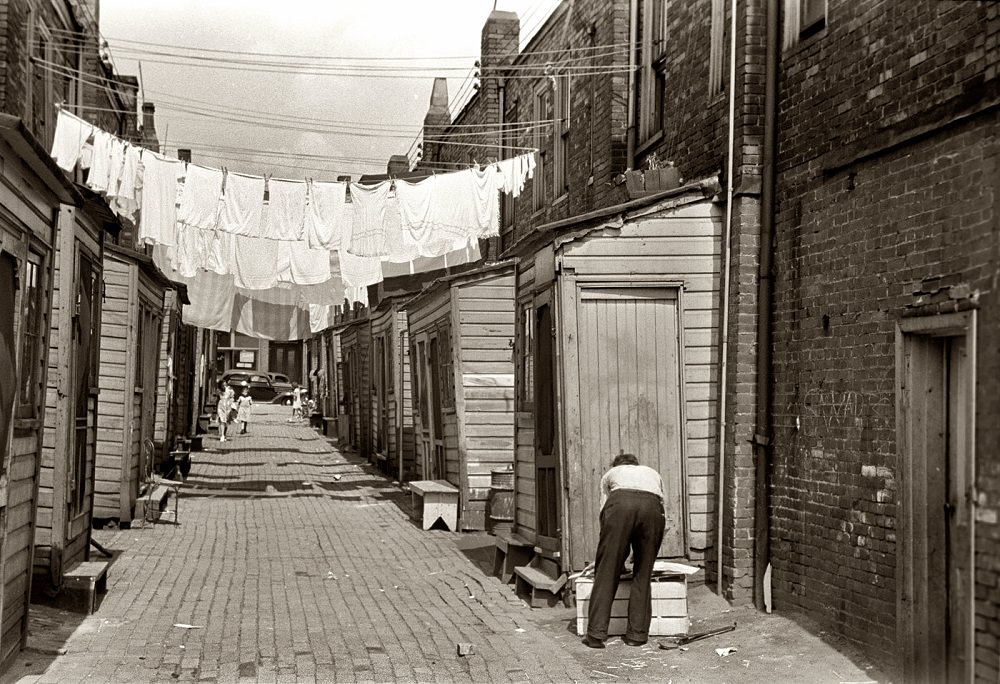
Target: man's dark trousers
x: 633, y: 520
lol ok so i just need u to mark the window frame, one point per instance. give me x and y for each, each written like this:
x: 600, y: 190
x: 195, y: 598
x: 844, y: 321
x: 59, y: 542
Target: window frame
x: 33, y: 351
x: 525, y: 352
x: 542, y: 112
x: 561, y: 112
x: 795, y: 28
x: 652, y: 73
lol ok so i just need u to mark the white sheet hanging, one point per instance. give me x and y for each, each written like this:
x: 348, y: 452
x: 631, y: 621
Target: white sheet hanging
x: 302, y: 266
x: 100, y: 164
x: 211, y: 298
x: 243, y: 205
x: 71, y: 135
x: 398, y: 250
x: 285, y: 212
x: 201, y: 199
x: 440, y: 213
x: 125, y: 200
x: 255, y: 262
x: 158, y: 220
x: 326, y: 214
x: 359, y: 271
x: 368, y: 227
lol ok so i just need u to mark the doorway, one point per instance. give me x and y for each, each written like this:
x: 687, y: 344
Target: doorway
x: 935, y: 371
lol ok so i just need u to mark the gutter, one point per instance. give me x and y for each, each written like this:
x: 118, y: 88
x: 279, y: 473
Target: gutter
x: 763, y: 429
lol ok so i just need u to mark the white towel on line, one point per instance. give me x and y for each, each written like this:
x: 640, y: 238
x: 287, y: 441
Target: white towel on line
x: 100, y: 165
x: 302, y: 266
x: 243, y: 205
x: 284, y: 214
x: 368, y: 226
x: 158, y: 220
x: 125, y: 200
x: 439, y: 213
x: 201, y: 199
x: 71, y: 135
x: 255, y: 263
x: 326, y: 214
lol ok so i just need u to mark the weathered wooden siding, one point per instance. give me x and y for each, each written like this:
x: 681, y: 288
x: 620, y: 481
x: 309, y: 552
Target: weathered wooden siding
x: 117, y: 359
x: 381, y: 333
x: 26, y: 212
x: 482, y: 334
x: 524, y: 421
x: 62, y: 535
x: 680, y: 246
x: 356, y: 340
x: 423, y: 316
x: 404, y: 398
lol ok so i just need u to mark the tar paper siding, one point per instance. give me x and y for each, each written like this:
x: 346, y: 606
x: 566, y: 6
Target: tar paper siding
x: 62, y: 534
x: 27, y: 211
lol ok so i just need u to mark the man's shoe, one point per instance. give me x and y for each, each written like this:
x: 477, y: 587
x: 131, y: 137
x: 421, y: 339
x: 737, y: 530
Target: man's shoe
x: 593, y: 642
x: 633, y: 642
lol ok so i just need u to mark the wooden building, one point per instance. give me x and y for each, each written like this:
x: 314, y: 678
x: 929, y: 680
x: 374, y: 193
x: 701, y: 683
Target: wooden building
x: 392, y: 410
x: 355, y: 343
x: 31, y: 191
x: 617, y: 351
x: 132, y: 333
x: 175, y: 384
x: 461, y: 332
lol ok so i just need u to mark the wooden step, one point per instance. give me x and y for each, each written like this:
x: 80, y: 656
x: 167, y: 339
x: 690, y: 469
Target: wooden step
x: 537, y: 587
x: 149, y: 506
x: 511, y: 551
x: 82, y: 582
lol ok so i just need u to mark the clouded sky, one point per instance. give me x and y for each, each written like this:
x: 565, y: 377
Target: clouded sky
x: 332, y: 122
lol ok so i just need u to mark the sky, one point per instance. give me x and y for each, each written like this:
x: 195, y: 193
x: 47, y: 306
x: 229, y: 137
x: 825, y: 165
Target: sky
x: 320, y: 121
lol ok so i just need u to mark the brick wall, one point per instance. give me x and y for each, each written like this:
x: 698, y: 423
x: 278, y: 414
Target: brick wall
x: 887, y: 176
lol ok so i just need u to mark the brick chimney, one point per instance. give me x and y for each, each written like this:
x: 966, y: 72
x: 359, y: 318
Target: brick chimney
x: 184, y: 155
x: 498, y: 48
x: 149, y: 140
x: 398, y: 163
x: 437, y: 117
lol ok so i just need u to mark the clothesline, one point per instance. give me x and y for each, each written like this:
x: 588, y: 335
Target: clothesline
x: 232, y: 236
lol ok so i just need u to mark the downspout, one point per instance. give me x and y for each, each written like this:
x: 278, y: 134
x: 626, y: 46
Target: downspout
x: 633, y: 29
x: 724, y: 363
x: 762, y: 433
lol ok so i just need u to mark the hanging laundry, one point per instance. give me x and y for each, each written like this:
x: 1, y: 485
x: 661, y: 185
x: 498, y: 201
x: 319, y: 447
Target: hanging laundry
x: 439, y: 213
x: 326, y: 214
x: 368, y: 226
x: 125, y: 200
x: 201, y: 199
x: 158, y: 220
x: 284, y: 215
x: 211, y: 297
x: 255, y: 262
x: 398, y: 250
x: 100, y: 167
x: 467, y: 253
x: 193, y: 247
x: 278, y: 322
x: 319, y: 317
x: 515, y: 170
x: 486, y: 185
x: 357, y: 294
x: 302, y: 266
x: 359, y: 271
x: 243, y: 205
x: 115, y: 168
x: 221, y: 253
x: 71, y: 135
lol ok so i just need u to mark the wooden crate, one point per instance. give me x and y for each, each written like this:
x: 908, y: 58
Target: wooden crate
x: 670, y: 611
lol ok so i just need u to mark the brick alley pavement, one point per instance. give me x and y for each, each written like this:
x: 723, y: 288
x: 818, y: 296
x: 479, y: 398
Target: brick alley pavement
x: 292, y: 562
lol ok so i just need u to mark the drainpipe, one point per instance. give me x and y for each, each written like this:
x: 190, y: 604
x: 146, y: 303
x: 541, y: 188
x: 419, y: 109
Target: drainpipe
x: 727, y: 265
x: 762, y: 433
x: 633, y: 29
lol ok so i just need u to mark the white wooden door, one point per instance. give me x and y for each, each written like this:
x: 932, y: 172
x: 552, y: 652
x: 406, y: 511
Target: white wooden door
x: 630, y: 396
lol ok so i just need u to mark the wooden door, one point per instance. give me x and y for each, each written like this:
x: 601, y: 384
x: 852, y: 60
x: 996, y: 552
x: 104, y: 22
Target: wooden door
x: 425, y: 429
x: 935, y: 400
x: 547, y: 501
x: 85, y: 320
x: 628, y: 350
x: 438, y: 467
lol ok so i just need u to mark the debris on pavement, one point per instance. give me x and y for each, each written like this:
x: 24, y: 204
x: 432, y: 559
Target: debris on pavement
x: 675, y: 641
x: 183, y: 625
x: 465, y: 648
x: 727, y: 651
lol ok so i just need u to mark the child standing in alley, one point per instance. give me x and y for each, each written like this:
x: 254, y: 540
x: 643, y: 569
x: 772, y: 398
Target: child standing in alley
x: 244, y: 407
x: 225, y: 405
x: 296, y: 402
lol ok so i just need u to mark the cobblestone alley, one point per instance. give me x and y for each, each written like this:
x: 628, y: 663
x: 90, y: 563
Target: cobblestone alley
x: 292, y: 562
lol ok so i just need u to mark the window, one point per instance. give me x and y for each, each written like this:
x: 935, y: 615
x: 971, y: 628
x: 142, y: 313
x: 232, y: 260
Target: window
x: 51, y: 71
x: 507, y: 142
x: 560, y: 138
x: 719, y: 58
x: 652, y: 75
x: 525, y: 358
x: 803, y: 18
x: 32, y: 349
x: 542, y: 112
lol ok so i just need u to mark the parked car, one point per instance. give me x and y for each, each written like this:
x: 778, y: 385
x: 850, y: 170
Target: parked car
x: 259, y: 384
x: 280, y: 382
x: 286, y: 398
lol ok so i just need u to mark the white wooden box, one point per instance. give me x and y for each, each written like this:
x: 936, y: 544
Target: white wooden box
x: 670, y: 611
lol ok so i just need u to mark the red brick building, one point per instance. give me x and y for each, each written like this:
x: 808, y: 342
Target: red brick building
x: 881, y: 369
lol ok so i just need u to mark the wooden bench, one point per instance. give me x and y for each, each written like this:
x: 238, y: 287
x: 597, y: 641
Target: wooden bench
x: 82, y: 583
x: 431, y: 500
x: 510, y: 552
